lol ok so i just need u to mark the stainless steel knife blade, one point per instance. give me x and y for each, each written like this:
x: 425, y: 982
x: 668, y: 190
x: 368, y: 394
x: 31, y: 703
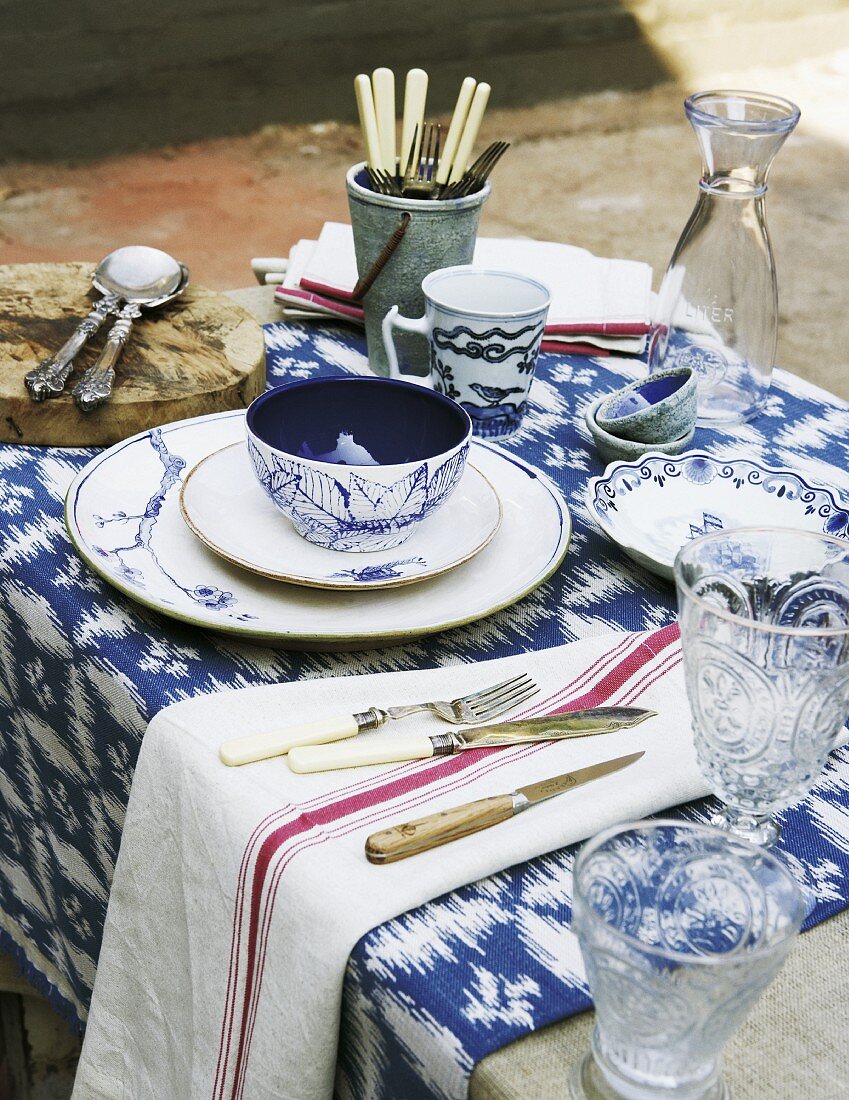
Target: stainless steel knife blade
x: 549, y: 788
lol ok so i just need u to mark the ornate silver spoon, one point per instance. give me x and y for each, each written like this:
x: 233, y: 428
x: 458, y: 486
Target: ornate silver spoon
x: 143, y: 278
x: 48, y: 378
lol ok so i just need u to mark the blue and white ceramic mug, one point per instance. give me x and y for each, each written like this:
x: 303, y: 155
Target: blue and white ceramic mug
x: 484, y: 329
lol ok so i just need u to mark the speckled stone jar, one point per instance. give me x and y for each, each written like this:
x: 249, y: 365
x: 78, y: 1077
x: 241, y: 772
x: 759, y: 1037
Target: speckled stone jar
x: 440, y: 234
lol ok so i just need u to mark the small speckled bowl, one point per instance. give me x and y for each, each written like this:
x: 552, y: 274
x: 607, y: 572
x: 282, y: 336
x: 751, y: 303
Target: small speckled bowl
x: 612, y: 448
x: 656, y: 409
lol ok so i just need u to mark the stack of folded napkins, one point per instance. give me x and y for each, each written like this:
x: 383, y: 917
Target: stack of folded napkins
x: 597, y: 306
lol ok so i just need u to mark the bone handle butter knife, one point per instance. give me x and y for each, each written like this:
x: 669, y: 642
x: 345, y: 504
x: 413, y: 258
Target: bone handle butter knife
x: 412, y: 123
x: 396, y: 748
x: 425, y: 833
x: 368, y: 121
x: 470, y: 132
x: 455, y: 130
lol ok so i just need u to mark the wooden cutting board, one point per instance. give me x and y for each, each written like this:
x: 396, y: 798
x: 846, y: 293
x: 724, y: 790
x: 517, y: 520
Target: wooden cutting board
x: 201, y: 354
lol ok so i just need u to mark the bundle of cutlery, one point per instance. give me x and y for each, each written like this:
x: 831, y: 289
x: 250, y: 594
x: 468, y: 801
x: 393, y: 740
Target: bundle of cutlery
x: 312, y: 746
x: 427, y: 167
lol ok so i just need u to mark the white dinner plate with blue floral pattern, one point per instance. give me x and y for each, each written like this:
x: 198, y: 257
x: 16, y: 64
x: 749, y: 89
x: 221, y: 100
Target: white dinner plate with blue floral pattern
x: 653, y: 505
x: 123, y: 515
x: 228, y: 511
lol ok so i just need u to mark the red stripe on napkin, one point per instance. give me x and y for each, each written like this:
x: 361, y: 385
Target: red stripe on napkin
x: 560, y: 347
x: 605, y: 687
x: 323, y: 288
x: 286, y: 294
x: 600, y: 328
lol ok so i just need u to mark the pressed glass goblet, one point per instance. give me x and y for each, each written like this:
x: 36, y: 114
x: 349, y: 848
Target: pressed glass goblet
x: 764, y: 617
x: 681, y: 928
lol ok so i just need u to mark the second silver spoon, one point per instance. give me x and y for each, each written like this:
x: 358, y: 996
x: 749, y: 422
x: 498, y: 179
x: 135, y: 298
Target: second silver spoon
x: 144, y: 280
x: 48, y: 378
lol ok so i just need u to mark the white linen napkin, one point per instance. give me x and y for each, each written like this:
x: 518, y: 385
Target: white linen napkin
x: 602, y: 302
x: 239, y: 893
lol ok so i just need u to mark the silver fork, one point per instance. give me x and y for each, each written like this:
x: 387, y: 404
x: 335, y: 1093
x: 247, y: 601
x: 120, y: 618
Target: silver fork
x: 477, y: 174
x: 420, y: 176
x: 384, y: 182
x: 479, y: 706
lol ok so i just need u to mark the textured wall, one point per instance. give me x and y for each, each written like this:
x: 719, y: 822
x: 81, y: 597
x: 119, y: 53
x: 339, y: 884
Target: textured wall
x: 79, y: 77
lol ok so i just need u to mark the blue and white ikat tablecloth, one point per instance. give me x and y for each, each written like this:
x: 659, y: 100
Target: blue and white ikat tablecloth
x: 83, y: 670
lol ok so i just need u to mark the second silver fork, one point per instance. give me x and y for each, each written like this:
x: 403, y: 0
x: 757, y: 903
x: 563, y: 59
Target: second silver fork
x: 420, y: 174
x: 479, y: 706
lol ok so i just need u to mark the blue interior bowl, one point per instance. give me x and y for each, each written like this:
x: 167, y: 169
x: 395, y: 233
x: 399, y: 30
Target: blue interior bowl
x: 657, y: 409
x: 644, y: 394
x: 394, y: 422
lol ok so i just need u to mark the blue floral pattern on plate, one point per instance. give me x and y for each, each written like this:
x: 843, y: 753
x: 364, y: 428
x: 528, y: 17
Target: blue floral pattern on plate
x: 684, y: 496
x: 141, y: 537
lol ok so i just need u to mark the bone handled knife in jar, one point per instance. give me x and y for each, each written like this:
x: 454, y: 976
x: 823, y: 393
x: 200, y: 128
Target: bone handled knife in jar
x: 396, y: 748
x: 425, y: 833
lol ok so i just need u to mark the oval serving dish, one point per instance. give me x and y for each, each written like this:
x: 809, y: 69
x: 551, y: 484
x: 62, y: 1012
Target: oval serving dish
x: 653, y: 506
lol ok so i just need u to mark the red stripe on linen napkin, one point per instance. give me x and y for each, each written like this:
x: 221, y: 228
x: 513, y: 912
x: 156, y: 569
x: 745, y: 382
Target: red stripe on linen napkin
x: 323, y: 288
x: 577, y: 328
x: 340, y: 303
x: 600, y: 328
x: 295, y: 296
x: 602, y: 690
x: 330, y: 809
x: 560, y: 347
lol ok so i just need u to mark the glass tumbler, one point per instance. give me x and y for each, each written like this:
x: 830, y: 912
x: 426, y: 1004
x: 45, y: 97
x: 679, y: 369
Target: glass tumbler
x: 717, y: 309
x: 681, y: 928
x: 764, y: 617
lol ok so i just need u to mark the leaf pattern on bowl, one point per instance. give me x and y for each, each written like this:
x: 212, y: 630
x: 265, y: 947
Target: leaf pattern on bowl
x: 405, y: 499
x: 360, y: 513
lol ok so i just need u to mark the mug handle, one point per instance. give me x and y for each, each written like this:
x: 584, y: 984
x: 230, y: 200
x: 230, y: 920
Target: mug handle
x: 394, y: 319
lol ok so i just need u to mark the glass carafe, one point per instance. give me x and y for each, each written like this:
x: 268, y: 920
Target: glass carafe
x: 717, y: 310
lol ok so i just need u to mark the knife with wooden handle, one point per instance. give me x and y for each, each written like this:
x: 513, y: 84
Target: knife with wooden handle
x: 394, y: 748
x: 425, y: 833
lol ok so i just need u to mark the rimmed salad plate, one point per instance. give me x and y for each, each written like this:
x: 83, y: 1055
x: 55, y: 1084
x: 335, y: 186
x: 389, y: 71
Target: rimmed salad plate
x: 227, y: 510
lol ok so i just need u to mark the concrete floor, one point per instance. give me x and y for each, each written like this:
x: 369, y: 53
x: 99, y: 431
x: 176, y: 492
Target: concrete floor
x: 615, y: 173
